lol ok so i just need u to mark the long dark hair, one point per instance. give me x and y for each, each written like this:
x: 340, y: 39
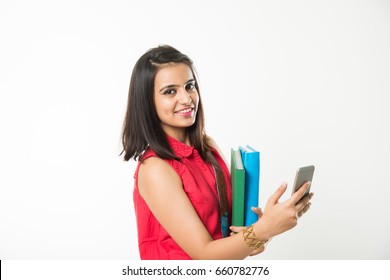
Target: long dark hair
x: 142, y: 128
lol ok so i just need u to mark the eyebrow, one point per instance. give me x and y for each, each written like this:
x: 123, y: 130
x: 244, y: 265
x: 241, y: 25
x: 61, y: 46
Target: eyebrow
x: 173, y: 86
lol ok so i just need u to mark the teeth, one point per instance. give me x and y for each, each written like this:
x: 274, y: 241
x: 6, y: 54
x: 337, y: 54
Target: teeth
x: 185, y: 111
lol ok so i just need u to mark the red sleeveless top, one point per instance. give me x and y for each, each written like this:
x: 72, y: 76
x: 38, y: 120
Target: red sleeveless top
x: 199, y: 183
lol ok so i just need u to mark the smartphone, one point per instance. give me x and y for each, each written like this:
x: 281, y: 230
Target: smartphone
x: 303, y: 175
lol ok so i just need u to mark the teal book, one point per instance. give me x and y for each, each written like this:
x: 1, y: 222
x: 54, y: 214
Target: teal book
x: 237, y: 175
x: 251, y: 162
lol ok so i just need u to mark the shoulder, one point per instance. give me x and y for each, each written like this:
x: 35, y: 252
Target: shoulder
x: 156, y: 167
x: 154, y: 173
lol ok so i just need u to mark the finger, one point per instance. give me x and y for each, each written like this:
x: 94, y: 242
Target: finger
x: 278, y: 194
x: 236, y: 229
x: 303, y: 202
x: 300, y: 193
x: 257, y: 211
x: 304, y: 210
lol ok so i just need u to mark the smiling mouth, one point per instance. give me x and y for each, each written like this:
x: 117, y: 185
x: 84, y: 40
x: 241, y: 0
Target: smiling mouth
x: 185, y: 111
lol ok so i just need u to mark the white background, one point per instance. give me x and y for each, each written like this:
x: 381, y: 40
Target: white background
x: 304, y: 82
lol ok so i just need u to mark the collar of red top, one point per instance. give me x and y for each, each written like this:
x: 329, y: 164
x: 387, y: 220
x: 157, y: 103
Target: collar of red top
x: 180, y: 149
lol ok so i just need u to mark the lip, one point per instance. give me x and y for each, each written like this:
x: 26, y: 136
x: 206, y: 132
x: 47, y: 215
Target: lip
x: 185, y: 111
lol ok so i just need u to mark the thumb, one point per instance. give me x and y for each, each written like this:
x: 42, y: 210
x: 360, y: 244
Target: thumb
x: 278, y: 194
x: 257, y: 211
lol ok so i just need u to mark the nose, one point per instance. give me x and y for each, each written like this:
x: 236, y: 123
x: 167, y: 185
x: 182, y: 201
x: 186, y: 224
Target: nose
x: 184, y: 97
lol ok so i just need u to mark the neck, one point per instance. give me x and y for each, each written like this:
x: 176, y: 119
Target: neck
x: 185, y: 139
x: 182, y: 137
x: 178, y: 133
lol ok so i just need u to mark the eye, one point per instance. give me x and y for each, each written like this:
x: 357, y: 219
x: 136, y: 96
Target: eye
x: 191, y: 86
x: 170, y: 91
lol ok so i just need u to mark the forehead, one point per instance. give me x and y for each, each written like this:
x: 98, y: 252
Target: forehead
x: 173, y: 73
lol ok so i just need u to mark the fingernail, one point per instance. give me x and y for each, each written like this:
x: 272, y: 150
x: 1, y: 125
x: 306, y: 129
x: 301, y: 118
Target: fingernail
x: 308, y: 185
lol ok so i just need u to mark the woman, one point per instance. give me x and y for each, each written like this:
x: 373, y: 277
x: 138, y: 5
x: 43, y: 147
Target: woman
x: 182, y: 192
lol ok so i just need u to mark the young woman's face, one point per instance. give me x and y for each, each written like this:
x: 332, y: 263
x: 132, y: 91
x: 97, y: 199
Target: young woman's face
x: 176, y: 98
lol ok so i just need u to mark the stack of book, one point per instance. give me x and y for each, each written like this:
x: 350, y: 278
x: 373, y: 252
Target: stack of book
x: 245, y: 176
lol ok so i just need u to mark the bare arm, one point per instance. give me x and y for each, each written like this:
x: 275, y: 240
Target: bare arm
x: 162, y: 189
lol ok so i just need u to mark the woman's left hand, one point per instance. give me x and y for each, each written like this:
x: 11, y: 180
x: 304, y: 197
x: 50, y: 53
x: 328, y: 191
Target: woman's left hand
x: 235, y: 230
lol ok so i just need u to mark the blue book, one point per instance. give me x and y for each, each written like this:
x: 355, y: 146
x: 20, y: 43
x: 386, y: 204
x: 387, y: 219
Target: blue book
x: 251, y: 161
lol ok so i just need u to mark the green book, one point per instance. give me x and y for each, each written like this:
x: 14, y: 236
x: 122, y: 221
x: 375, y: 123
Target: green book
x: 237, y: 174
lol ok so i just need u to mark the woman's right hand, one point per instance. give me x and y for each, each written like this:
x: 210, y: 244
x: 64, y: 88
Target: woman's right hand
x: 280, y: 217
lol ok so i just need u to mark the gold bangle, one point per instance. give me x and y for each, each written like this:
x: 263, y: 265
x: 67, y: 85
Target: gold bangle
x: 251, y: 239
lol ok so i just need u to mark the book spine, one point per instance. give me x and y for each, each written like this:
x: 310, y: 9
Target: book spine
x: 252, y: 179
x: 238, y: 191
